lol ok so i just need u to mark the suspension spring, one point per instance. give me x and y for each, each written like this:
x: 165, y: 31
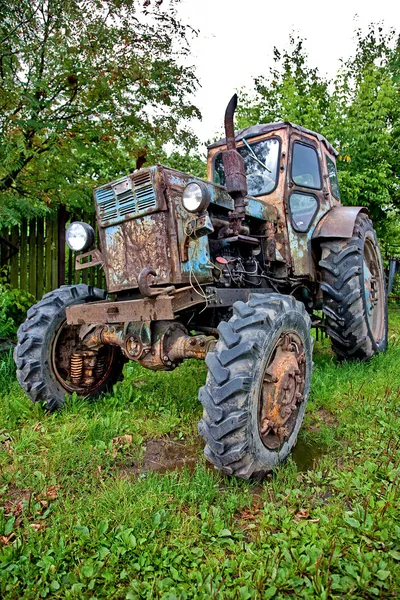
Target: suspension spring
x: 89, y: 365
x: 76, y: 368
x: 100, y: 367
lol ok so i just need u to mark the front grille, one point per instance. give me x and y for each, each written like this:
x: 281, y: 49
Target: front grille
x: 126, y: 198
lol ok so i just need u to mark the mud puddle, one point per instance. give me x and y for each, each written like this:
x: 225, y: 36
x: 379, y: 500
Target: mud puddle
x: 163, y: 455
x: 306, y: 455
x: 167, y: 455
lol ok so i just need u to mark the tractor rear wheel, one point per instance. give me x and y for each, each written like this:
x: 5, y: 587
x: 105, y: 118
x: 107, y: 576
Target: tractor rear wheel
x: 257, y: 385
x: 354, y: 293
x: 51, y: 363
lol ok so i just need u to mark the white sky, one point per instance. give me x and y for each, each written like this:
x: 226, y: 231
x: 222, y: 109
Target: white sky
x: 256, y: 26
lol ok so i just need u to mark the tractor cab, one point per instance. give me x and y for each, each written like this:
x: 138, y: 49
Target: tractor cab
x: 294, y: 170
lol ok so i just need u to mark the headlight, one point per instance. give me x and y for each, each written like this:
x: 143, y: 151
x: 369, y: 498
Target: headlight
x: 79, y: 236
x: 195, y: 197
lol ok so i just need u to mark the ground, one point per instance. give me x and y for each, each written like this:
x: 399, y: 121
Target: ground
x: 114, y: 499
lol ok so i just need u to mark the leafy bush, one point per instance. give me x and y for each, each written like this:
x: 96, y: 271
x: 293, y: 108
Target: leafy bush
x: 13, y: 306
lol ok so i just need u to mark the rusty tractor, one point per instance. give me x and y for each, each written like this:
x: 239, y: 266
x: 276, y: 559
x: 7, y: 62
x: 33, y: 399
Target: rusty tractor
x: 234, y: 271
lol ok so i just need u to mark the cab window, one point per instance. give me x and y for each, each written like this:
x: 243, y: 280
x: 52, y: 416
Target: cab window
x: 333, y: 178
x: 303, y: 208
x: 305, y: 166
x: 261, y: 164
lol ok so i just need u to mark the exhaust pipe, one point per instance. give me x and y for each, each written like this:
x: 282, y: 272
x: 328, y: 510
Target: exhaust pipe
x: 235, y: 173
x: 228, y: 122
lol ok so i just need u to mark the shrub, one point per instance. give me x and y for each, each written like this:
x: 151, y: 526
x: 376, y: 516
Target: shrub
x: 13, y: 306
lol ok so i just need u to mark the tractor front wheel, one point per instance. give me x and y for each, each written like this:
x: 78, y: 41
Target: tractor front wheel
x: 50, y: 360
x: 257, y: 385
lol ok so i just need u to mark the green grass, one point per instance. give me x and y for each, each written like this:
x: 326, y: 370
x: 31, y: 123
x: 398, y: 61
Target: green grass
x: 81, y: 518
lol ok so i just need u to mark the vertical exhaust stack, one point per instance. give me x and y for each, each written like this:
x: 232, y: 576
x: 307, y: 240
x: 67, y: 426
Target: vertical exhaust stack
x: 235, y: 173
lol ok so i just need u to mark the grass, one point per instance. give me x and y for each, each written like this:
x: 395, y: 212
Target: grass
x: 83, y: 513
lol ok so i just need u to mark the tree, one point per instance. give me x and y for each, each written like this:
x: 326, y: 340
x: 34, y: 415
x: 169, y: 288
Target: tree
x: 358, y: 111
x: 87, y: 87
x: 292, y: 91
x: 367, y: 93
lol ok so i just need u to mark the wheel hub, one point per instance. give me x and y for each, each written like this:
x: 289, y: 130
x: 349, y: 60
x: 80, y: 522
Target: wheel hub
x: 374, y: 294
x: 282, y: 390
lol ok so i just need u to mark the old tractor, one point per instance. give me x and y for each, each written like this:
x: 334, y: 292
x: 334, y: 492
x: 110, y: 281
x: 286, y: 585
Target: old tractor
x: 235, y: 271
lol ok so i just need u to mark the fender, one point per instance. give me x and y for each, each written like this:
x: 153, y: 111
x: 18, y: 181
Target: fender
x: 338, y: 222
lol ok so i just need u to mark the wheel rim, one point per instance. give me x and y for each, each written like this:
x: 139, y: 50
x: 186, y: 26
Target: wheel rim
x: 374, y: 292
x: 69, y: 358
x: 282, y: 390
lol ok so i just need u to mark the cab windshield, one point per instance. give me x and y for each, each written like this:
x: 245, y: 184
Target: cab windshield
x: 261, y: 163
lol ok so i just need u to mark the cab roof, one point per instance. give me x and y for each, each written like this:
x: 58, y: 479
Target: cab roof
x: 256, y: 130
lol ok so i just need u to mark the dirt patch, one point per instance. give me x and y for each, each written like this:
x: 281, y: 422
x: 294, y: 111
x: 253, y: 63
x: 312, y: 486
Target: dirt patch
x: 13, y: 500
x: 323, y: 416
x: 24, y: 506
x: 167, y: 454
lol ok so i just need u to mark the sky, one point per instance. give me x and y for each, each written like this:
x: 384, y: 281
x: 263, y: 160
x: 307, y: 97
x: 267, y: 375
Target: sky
x: 236, y: 39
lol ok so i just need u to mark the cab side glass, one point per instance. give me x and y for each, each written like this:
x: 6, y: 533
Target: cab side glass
x: 305, y: 166
x: 303, y: 208
x: 333, y: 178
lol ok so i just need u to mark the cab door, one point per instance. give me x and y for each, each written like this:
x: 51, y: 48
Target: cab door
x: 307, y: 199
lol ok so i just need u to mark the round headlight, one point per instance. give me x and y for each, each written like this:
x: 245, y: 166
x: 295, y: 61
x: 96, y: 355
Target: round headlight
x: 79, y: 236
x: 195, y: 197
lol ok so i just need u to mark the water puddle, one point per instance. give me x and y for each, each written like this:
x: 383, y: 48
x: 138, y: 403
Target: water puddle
x: 306, y: 455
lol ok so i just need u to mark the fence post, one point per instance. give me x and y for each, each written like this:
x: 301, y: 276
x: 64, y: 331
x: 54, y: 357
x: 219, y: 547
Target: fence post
x: 23, y: 253
x: 32, y: 257
x: 49, y: 233
x: 40, y: 258
x: 62, y: 219
x: 14, y: 257
x: 54, y: 248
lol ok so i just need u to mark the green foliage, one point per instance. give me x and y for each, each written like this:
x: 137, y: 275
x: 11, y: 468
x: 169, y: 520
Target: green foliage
x: 188, y: 163
x: 358, y: 112
x: 80, y: 518
x: 7, y: 371
x: 87, y: 87
x: 13, y: 306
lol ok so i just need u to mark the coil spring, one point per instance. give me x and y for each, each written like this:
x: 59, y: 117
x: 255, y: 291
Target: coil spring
x: 76, y: 368
x: 100, y: 367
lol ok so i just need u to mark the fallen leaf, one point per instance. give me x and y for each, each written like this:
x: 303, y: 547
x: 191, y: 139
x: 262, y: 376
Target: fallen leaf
x: 249, y: 515
x: 302, y: 514
x: 18, y: 508
x: 7, y: 446
x: 52, y: 493
x: 7, y: 539
x: 122, y: 440
x: 36, y: 526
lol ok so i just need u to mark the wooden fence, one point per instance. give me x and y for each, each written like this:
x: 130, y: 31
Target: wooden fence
x: 34, y: 256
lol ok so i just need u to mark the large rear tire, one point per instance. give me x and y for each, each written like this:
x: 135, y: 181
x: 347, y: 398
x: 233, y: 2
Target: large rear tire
x: 257, y: 385
x: 354, y: 293
x: 46, y: 343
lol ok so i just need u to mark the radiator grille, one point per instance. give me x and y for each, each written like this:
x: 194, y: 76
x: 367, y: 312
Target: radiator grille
x: 127, y: 198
